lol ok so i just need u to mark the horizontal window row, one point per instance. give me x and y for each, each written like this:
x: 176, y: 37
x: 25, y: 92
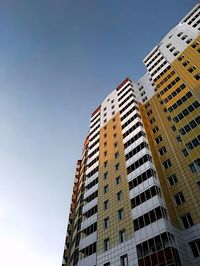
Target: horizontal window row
x: 175, y: 92
x: 138, y: 163
x: 130, y: 130
x: 170, y: 85
x: 180, y: 101
x: 162, y: 73
x: 186, y: 111
x: 134, y: 138
x: 191, y: 14
x: 90, y: 229
x: 126, y: 99
x: 136, y: 150
x: 95, y: 151
x: 97, y: 134
x: 90, y: 212
x: 144, y: 196
x: 192, y: 124
x: 91, y: 197
x: 153, y: 59
x: 149, y: 217
x: 87, y: 251
x: 121, y: 91
x: 129, y: 112
x: 141, y: 178
x: 125, y: 93
x: 126, y: 106
x: 96, y: 122
x: 93, y: 172
x: 156, y: 63
x: 95, y: 129
x: 155, y: 244
x: 131, y: 120
x: 151, y: 55
x: 161, y: 66
x: 93, y: 161
x: 95, y: 117
x: 92, y: 184
x: 193, y: 143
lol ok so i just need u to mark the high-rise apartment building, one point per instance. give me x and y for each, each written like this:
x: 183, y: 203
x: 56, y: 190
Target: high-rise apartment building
x: 136, y: 195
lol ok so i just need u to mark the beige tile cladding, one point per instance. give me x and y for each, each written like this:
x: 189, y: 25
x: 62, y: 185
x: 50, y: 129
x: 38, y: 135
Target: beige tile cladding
x: 114, y: 205
x: 187, y: 181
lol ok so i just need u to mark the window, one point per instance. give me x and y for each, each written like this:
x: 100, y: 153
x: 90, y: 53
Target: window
x: 195, y: 247
x: 197, y: 76
x: 106, y: 244
x: 105, y: 188
x: 122, y: 236
x: 105, y: 153
x: 167, y: 164
x: 179, y: 198
x: 105, y: 175
x: 173, y: 128
x: 107, y: 264
x: 180, y: 57
x: 195, y: 166
x: 172, y: 179
x: 114, y: 127
x: 187, y: 221
x: 116, y: 155
x: 158, y: 139
x: 162, y: 150
x: 198, y: 185
x: 113, y: 112
x: 179, y: 138
x: 106, y: 222
x: 105, y: 135
x: 112, y: 101
x: 112, y: 106
x: 119, y: 195
x: 155, y: 129
x: 115, y: 135
x: 191, y: 69
x: 105, y: 120
x: 105, y: 163
x: 185, y: 63
x: 120, y: 214
x: 113, y: 119
x: 118, y: 179
x: 124, y: 260
x: 117, y: 167
x: 194, y: 45
x: 184, y: 37
x: 115, y: 144
x: 105, y: 204
x: 185, y: 152
x: 105, y: 144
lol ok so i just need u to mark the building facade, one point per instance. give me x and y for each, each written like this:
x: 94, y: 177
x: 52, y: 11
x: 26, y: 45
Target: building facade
x: 136, y: 195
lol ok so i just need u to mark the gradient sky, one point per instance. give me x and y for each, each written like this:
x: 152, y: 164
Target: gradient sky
x: 59, y: 59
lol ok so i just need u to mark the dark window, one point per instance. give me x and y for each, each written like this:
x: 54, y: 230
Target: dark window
x: 187, y: 221
x: 179, y: 198
x: 106, y: 244
x: 195, y: 247
x: 172, y: 179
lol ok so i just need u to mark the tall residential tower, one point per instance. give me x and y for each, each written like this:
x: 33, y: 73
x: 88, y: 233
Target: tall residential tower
x: 136, y: 194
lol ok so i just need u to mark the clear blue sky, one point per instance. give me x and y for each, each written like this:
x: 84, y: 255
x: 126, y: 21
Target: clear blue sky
x: 59, y: 59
